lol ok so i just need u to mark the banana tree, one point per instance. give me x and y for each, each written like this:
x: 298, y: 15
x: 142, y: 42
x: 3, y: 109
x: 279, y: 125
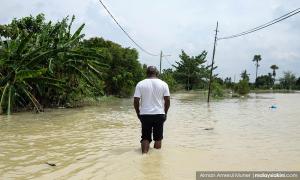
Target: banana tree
x: 44, y: 60
x: 19, y: 72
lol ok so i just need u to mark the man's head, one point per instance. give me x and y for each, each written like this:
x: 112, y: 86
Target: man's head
x: 152, y: 71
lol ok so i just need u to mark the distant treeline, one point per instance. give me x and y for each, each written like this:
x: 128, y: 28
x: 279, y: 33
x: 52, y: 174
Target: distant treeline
x: 263, y: 82
x: 190, y: 73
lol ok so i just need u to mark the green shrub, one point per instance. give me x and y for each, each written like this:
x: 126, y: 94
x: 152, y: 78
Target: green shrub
x: 217, y: 90
x: 168, y: 77
x: 243, y: 87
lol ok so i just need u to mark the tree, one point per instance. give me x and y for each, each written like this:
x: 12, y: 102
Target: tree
x: 191, y: 70
x: 43, y: 64
x: 288, y: 81
x: 124, y: 71
x: 245, y: 75
x: 256, y: 59
x: 274, y: 68
x: 243, y: 86
x: 228, y: 82
x: 265, y: 81
x: 298, y: 83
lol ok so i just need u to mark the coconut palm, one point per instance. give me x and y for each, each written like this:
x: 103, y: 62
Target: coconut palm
x: 256, y: 59
x: 245, y: 75
x: 274, y: 68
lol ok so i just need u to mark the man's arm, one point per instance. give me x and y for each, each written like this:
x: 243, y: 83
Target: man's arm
x: 136, y: 104
x: 167, y: 103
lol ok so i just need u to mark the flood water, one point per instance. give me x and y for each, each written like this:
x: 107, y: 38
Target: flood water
x: 102, y: 142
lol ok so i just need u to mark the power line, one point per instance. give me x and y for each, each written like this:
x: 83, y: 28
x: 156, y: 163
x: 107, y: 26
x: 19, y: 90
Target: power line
x: 168, y: 61
x: 290, y: 14
x: 274, y: 20
x: 127, y: 34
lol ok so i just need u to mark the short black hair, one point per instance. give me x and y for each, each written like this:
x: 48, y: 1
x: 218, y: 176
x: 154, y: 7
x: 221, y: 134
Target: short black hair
x: 152, y: 71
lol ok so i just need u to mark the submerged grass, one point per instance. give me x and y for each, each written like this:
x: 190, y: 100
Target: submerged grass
x: 93, y: 101
x: 272, y: 91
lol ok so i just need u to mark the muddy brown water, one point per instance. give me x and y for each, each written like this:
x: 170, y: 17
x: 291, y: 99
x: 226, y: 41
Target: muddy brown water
x: 102, y: 142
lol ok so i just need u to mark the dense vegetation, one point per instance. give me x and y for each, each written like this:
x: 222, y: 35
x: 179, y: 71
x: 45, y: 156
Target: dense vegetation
x: 124, y: 68
x: 44, y: 64
x: 191, y: 71
x: 242, y: 87
x: 268, y: 81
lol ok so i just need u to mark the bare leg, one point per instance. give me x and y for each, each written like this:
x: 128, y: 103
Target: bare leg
x: 157, y: 144
x: 145, y: 146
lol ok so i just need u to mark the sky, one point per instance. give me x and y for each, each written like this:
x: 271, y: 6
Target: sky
x: 174, y: 25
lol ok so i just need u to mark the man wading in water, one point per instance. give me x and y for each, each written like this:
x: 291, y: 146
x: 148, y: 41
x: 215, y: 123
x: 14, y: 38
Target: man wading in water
x: 155, y: 102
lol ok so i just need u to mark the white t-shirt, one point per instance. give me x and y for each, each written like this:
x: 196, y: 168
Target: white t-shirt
x: 152, y: 92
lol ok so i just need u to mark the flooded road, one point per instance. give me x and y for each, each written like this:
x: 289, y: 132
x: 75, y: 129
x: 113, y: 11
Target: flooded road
x: 102, y: 142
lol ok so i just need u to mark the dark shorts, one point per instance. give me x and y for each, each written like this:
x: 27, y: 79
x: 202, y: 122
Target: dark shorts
x: 152, y: 123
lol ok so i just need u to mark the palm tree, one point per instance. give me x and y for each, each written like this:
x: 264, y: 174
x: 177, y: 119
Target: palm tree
x: 256, y: 59
x: 274, y: 68
x: 245, y: 75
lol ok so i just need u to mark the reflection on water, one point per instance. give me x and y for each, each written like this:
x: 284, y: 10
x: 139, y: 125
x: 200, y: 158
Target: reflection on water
x: 102, y: 142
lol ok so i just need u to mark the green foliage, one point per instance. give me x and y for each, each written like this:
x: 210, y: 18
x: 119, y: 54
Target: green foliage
x: 243, y: 87
x: 168, y: 77
x: 288, y: 81
x: 124, y: 70
x: 298, y: 83
x: 190, y: 70
x: 265, y: 81
x: 217, y: 89
x: 22, y: 27
x: 43, y: 64
x: 218, y: 80
x: 274, y: 67
x: 256, y: 59
x: 245, y: 75
x: 228, y: 83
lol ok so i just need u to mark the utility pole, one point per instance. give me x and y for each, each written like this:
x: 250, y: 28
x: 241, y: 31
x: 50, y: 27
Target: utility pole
x: 234, y: 78
x: 160, y: 60
x: 161, y: 55
x: 212, y: 65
